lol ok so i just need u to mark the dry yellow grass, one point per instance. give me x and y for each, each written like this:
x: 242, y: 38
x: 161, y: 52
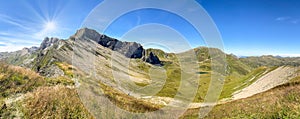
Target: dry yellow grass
x: 18, y: 80
x: 280, y: 102
x: 128, y: 102
x: 54, y: 102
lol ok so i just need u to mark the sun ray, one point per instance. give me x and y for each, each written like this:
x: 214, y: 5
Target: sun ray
x: 50, y: 26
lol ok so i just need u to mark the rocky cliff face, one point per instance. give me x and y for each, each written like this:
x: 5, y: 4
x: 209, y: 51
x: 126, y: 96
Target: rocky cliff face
x: 47, y: 42
x: 25, y: 51
x: 129, y: 49
x: 83, y: 46
x: 152, y: 59
x: 42, y: 59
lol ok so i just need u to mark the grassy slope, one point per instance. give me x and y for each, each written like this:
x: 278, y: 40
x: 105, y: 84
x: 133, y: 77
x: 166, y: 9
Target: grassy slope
x: 54, y: 102
x: 52, y: 98
x: 15, y: 80
x: 43, y: 97
x: 279, y: 102
x: 235, y: 82
x: 239, y: 75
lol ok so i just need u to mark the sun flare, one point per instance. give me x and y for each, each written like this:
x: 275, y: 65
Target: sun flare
x: 50, y: 26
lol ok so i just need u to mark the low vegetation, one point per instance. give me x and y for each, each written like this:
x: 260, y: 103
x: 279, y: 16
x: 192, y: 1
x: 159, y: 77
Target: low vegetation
x: 54, y: 102
x: 57, y: 98
x: 26, y: 94
x: 14, y: 80
x: 127, y: 102
x: 67, y: 69
x: 281, y: 102
x: 235, y: 82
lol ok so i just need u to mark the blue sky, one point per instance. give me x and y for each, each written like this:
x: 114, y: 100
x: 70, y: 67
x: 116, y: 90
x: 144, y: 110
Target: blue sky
x: 248, y: 27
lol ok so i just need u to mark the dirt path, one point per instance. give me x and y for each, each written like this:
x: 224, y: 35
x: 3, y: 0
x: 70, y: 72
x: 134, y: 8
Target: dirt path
x: 277, y: 77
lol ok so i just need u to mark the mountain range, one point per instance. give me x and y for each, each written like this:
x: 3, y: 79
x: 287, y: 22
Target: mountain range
x: 92, y: 65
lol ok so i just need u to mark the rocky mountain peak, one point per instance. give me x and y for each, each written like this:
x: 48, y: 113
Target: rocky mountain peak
x: 129, y: 49
x: 86, y: 33
x: 47, y: 42
x: 25, y: 51
x: 30, y: 50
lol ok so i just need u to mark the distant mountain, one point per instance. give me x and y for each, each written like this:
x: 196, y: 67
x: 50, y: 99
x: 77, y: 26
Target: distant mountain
x: 87, y: 44
x: 89, y: 51
x: 22, y: 57
x: 126, y: 73
x: 26, y: 56
x: 268, y: 60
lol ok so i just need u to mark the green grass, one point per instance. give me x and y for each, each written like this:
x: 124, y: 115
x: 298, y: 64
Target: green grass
x: 51, y: 97
x: 127, y: 102
x: 238, y: 78
x: 281, y: 102
x: 55, y: 101
x: 235, y: 65
x: 43, y: 61
x: 67, y: 69
x: 235, y: 82
x: 173, y: 80
x: 15, y: 80
x: 61, y: 80
x: 295, y: 80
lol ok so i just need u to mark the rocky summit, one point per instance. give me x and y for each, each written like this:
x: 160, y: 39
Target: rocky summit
x: 48, y: 42
x: 128, y: 49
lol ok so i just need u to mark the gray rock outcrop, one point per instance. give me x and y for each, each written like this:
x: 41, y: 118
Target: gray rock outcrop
x: 129, y: 49
x: 152, y: 59
x: 47, y: 42
x: 26, y: 51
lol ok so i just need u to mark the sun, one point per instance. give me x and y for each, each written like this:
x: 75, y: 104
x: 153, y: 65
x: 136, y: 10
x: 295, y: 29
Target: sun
x: 50, y: 26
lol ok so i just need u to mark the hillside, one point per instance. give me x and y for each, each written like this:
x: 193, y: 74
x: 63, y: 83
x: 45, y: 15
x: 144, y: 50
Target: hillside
x: 268, y: 60
x: 96, y: 71
x: 279, y: 102
x: 25, y: 94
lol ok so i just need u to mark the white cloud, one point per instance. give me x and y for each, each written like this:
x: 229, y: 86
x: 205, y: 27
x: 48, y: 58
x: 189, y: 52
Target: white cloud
x: 8, y: 44
x: 282, y: 18
x: 11, y: 47
x: 288, y: 19
x: 295, y: 21
x: 14, y: 22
